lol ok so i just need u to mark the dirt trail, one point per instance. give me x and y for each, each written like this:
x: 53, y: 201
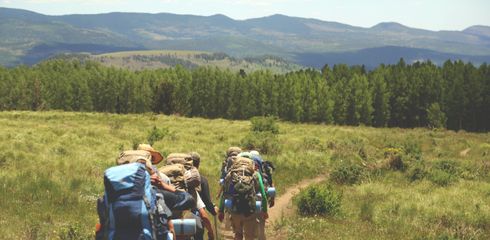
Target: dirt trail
x: 283, y: 206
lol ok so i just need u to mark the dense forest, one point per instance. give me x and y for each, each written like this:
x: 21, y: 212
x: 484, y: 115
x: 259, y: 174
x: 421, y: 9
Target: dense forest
x: 456, y: 95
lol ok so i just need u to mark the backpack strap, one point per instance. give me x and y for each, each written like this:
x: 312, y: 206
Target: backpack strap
x: 150, y: 214
x: 108, y: 215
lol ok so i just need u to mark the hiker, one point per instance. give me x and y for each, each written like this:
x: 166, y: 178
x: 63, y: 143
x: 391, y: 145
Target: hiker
x: 259, y: 166
x: 158, y: 179
x: 230, y: 154
x: 206, y: 199
x: 239, y: 197
x: 186, y: 178
x: 123, y: 208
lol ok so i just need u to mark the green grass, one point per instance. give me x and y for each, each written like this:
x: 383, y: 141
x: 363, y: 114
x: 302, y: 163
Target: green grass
x: 52, y: 164
x: 154, y: 59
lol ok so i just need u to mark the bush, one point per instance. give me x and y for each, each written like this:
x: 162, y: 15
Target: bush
x: 157, y: 134
x: 312, y: 143
x: 264, y: 142
x: 412, y: 148
x: 319, y: 200
x: 441, y: 178
x: 448, y: 166
x: 264, y: 124
x: 346, y: 174
x: 417, y: 171
x: 444, y: 172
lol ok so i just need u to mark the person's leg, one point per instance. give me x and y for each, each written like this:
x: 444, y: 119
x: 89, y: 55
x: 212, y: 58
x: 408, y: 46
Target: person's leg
x: 250, y: 227
x: 227, y: 221
x: 261, y: 227
x: 237, y: 225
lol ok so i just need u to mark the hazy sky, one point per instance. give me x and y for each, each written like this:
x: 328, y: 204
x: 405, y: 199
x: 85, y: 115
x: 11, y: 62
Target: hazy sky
x: 426, y: 14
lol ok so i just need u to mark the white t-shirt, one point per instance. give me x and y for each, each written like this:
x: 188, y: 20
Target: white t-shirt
x: 199, y: 203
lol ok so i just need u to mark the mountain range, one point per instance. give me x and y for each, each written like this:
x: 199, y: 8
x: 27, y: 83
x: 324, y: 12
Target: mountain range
x: 27, y: 37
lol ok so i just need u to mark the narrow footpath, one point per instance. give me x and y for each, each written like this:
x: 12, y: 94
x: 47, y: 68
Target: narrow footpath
x: 283, y: 207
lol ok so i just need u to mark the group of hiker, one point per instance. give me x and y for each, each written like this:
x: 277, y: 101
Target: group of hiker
x: 142, y: 201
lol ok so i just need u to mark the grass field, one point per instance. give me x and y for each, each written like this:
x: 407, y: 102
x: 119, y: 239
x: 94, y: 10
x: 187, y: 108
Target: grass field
x: 154, y: 59
x: 52, y: 163
x: 181, y: 53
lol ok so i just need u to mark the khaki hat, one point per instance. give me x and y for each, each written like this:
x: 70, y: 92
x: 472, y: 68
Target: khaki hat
x: 156, y: 156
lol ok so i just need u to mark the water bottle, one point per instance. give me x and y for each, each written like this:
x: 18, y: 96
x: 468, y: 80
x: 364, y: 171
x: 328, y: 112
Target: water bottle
x: 228, y: 203
x: 258, y: 205
x: 271, y: 192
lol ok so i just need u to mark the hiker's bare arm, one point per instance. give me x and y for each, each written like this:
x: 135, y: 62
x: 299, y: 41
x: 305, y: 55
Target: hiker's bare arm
x: 168, y: 187
x: 157, y: 181
x: 171, y: 229
x: 207, y: 223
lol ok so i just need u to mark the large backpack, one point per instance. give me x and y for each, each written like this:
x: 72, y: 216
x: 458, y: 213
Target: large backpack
x: 267, y: 170
x: 226, y: 165
x: 180, y: 158
x: 190, y: 175
x: 175, y: 173
x: 240, y: 186
x: 131, y: 207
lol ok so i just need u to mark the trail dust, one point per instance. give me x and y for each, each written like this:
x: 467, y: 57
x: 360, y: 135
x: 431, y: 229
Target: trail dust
x: 283, y: 207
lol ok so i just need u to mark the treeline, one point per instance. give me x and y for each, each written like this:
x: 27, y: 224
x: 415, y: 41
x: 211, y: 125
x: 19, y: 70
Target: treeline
x: 456, y: 95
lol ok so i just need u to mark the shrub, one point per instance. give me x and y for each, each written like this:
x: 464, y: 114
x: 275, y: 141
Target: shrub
x: 264, y: 124
x: 444, y: 172
x: 319, y: 200
x: 264, y: 142
x: 157, y: 134
x: 312, y: 143
x: 441, y: 178
x: 346, y: 174
x: 448, y: 166
x: 417, y: 171
x: 412, y: 148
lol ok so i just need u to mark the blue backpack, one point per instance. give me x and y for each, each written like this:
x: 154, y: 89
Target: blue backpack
x: 132, y: 208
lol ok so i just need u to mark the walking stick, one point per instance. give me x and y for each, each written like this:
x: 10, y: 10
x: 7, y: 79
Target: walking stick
x: 216, y: 228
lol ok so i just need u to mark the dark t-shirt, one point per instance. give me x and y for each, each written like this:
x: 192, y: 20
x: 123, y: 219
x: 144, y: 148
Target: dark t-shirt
x: 205, y: 196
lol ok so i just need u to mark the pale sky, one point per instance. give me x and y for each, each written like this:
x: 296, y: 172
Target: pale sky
x: 426, y: 14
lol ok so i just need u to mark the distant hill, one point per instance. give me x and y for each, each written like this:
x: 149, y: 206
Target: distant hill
x: 152, y: 59
x: 373, y: 57
x: 26, y: 37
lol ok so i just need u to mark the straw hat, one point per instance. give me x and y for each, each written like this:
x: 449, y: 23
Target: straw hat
x: 156, y: 156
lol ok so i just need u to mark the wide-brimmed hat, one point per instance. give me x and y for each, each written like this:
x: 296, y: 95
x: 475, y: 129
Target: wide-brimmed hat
x: 156, y: 156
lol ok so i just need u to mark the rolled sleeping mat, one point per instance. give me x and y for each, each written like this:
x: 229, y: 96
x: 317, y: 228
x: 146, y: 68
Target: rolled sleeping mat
x: 271, y: 192
x: 184, y: 227
x: 229, y: 204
